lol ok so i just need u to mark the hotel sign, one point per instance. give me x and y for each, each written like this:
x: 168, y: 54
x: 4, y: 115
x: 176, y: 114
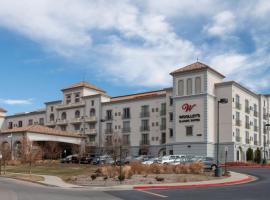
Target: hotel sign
x: 188, y: 117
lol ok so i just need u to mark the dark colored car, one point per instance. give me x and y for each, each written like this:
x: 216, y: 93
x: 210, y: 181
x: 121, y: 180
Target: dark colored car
x: 70, y: 159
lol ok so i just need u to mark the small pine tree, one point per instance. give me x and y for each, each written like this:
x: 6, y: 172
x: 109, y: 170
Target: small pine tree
x: 258, y: 157
x: 250, y: 154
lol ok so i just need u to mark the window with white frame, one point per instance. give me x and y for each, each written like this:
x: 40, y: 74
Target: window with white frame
x: 180, y: 88
x: 198, y: 89
x: 189, y: 86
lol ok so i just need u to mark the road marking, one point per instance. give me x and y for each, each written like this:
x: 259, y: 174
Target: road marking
x: 152, y: 193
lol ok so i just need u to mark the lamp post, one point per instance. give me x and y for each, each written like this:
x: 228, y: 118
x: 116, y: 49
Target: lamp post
x: 218, y: 169
x: 264, y: 144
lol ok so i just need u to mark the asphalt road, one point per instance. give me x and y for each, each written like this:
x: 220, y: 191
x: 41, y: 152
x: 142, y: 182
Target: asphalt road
x: 258, y: 190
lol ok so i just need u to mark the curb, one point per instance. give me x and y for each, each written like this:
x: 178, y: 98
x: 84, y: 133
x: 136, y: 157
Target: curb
x: 242, y: 181
x: 244, y: 166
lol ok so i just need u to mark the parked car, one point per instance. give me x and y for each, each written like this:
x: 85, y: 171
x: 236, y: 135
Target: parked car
x: 71, y: 159
x: 169, y: 159
x: 104, y: 159
x: 124, y: 161
x: 143, y: 158
x: 86, y: 160
x: 150, y: 161
x: 209, y: 162
x: 181, y: 160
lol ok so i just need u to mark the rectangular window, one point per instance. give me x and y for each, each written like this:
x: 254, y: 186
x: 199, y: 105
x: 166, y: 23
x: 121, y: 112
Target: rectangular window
x: 126, y: 126
x: 180, y: 88
x: 68, y: 98
x: 163, y: 109
x: 10, y: 125
x: 92, y: 125
x: 30, y: 122
x: 189, y: 86
x: 126, y: 112
x: 145, y: 125
x: 77, y: 97
x: 92, y: 138
x: 171, y: 132
x: 198, y: 85
x: 126, y: 140
x: 145, y: 139
x: 41, y: 121
x: 163, y: 138
x: 109, y: 128
x: 77, y: 127
x: 171, y: 116
x: 145, y: 111
x: 171, y: 101
x: 92, y: 103
x: 20, y: 123
x: 51, y: 108
x: 163, y: 124
x: 189, y: 130
x: 109, y: 115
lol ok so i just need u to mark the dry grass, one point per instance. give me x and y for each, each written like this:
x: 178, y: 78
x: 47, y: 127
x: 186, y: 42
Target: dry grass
x: 25, y: 177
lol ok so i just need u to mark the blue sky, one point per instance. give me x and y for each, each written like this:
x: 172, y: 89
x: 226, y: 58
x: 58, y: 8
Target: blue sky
x: 126, y: 46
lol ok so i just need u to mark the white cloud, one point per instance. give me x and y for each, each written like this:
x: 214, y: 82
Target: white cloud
x: 139, y: 42
x: 16, y: 101
x: 223, y: 24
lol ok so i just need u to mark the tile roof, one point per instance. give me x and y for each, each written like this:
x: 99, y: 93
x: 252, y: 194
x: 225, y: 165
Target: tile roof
x: 2, y: 110
x: 40, y: 129
x: 194, y: 67
x: 84, y: 84
x: 139, y: 95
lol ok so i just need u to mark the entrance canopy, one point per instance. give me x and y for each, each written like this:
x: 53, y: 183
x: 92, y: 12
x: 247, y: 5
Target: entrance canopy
x: 42, y: 133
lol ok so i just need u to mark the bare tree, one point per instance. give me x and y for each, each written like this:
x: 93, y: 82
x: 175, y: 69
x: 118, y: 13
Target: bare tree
x: 52, y: 150
x: 30, y: 153
x: 6, y: 154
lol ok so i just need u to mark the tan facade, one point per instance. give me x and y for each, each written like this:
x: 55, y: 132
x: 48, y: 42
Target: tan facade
x: 179, y: 120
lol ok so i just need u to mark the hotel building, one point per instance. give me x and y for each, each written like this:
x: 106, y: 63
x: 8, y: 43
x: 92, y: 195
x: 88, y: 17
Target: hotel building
x: 181, y: 119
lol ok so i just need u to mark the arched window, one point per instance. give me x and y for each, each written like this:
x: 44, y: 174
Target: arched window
x: 64, y: 116
x: 189, y: 86
x: 51, y: 117
x: 198, y: 89
x: 92, y: 112
x: 180, y: 88
x: 77, y: 114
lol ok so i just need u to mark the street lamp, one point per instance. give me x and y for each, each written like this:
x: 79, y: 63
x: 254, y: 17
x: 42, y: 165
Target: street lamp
x: 218, y: 169
x: 264, y: 144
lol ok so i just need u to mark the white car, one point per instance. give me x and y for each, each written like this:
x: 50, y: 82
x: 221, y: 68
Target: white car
x: 170, y: 159
x: 150, y: 161
x: 178, y: 161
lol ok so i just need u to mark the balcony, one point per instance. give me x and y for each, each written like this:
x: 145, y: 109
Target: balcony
x: 70, y: 105
x: 109, y: 118
x: 145, y: 128
x: 163, y: 127
x: 145, y: 114
x: 238, y: 106
x: 256, y: 142
x: 62, y: 122
x: 247, y: 141
x: 247, y: 126
x: 108, y: 131
x: 126, y: 130
x: 238, y: 139
x: 256, y: 128
x: 144, y: 142
x: 238, y: 122
x: 91, y: 132
x: 50, y: 123
x: 76, y: 120
x: 247, y: 110
x: 162, y: 112
x: 255, y: 113
x: 90, y: 119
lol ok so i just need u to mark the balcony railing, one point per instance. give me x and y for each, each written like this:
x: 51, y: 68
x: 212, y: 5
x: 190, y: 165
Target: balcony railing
x: 145, y: 142
x: 91, y: 132
x: 61, y: 121
x: 247, y: 141
x: 70, y: 105
x: 238, y: 106
x: 145, y: 114
x: 145, y: 128
x: 255, y: 113
x: 238, y: 122
x: 108, y: 131
x: 256, y: 128
x: 163, y: 127
x: 90, y: 119
x: 162, y: 112
x: 125, y: 116
x: 76, y: 120
x: 238, y: 139
x: 50, y: 123
x: 109, y: 118
x: 126, y: 130
x: 247, y: 126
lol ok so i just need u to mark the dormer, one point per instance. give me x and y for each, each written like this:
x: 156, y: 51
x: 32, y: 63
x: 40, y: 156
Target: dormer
x: 195, y: 79
x: 75, y: 92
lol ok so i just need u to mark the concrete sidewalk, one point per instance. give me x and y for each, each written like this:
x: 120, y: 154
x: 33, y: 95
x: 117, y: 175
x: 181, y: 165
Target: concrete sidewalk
x: 235, y: 178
